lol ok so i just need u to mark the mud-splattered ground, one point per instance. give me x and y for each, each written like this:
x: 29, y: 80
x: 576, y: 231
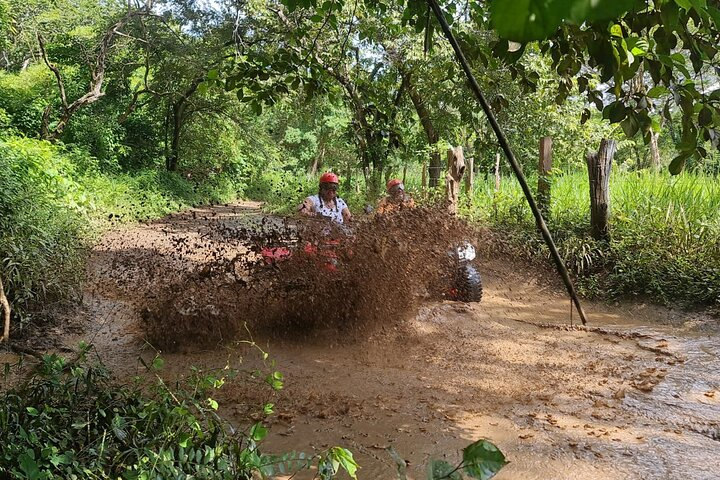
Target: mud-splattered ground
x: 634, y: 395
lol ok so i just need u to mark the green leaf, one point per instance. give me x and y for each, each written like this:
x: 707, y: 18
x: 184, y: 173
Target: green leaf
x: 684, y: 4
x: 615, y: 112
x: 29, y: 466
x: 657, y: 91
x: 212, y: 403
x: 590, y: 10
x: 184, y: 439
x: 258, y: 432
x: 678, y: 163
x: 526, y: 20
x: 62, y: 459
x: 705, y: 117
x: 158, y: 363
x: 345, y: 459
x: 441, y: 470
x: 630, y: 126
x: 482, y: 460
x: 268, y: 408
x: 32, y: 411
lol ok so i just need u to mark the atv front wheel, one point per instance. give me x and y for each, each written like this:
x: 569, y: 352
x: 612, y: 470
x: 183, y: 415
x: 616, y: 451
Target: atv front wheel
x: 468, y: 285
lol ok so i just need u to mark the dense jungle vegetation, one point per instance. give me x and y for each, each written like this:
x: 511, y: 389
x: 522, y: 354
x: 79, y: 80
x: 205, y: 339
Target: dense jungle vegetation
x: 114, y: 112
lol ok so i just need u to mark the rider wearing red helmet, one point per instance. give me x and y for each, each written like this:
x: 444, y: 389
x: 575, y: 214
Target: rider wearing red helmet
x: 326, y: 203
x: 396, y: 197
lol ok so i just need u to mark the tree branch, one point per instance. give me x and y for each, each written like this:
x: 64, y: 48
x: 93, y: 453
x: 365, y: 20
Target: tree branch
x: 97, y: 78
x: 55, y: 70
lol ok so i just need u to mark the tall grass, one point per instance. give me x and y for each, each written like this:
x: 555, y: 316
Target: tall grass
x: 664, y: 232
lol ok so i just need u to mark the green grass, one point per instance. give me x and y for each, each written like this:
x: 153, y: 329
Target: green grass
x: 664, y: 232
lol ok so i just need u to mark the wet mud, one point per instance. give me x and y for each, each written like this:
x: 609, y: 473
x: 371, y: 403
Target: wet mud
x: 375, y: 360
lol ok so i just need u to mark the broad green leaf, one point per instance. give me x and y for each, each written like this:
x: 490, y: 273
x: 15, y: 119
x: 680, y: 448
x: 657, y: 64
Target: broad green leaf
x: 29, y: 466
x: 442, y: 470
x: 630, y: 126
x: 678, y: 163
x: 526, y: 20
x: 258, y: 432
x: 184, y: 439
x: 482, y: 460
x: 684, y: 4
x: 344, y: 458
x: 705, y: 116
x: 590, y: 10
x: 657, y: 91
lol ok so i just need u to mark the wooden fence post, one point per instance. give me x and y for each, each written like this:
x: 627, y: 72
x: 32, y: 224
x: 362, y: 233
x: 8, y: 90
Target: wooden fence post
x: 544, y: 167
x: 470, y: 176
x: 424, y: 179
x: 456, y: 168
x: 599, y: 173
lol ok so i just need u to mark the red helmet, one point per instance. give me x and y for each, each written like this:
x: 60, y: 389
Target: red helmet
x: 329, y: 177
x: 392, y: 183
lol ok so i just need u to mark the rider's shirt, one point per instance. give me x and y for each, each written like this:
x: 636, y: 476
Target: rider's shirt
x: 326, y: 209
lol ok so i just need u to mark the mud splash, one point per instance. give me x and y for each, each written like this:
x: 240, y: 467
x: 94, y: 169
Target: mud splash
x: 334, y: 281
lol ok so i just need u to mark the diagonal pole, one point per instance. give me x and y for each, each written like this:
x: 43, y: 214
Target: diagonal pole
x: 475, y: 87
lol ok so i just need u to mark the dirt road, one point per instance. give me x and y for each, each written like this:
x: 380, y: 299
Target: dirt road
x: 636, y: 394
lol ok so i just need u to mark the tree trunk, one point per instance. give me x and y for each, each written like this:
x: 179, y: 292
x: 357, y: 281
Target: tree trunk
x: 6, y: 314
x: 654, y: 151
x: 544, y: 167
x: 171, y: 162
x: 599, y: 172
x: 432, y: 135
x: 456, y: 169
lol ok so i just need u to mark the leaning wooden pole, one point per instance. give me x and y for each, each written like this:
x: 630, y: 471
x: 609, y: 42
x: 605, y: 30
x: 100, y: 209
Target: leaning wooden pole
x: 475, y: 87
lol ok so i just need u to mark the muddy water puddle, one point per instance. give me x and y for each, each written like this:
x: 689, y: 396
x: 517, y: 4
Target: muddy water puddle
x: 560, y: 404
x: 634, y: 395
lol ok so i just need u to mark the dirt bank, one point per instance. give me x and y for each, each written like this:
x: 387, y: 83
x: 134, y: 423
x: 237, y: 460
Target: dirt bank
x: 634, y: 395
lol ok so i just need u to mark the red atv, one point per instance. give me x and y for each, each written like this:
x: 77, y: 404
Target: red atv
x: 326, y: 253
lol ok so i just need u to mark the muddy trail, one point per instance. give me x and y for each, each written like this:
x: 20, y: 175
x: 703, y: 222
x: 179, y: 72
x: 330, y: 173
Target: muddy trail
x: 376, y: 361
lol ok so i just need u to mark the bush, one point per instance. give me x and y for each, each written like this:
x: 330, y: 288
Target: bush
x: 71, y: 421
x: 55, y: 200
x: 43, y: 234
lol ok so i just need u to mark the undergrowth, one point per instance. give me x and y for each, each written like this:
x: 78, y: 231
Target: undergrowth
x: 55, y: 200
x: 72, y: 421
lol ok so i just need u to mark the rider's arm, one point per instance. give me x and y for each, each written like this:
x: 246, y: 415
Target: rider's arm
x: 307, y: 207
x: 347, y: 216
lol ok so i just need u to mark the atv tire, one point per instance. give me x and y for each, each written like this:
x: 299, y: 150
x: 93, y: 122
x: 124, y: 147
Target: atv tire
x: 468, y: 285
